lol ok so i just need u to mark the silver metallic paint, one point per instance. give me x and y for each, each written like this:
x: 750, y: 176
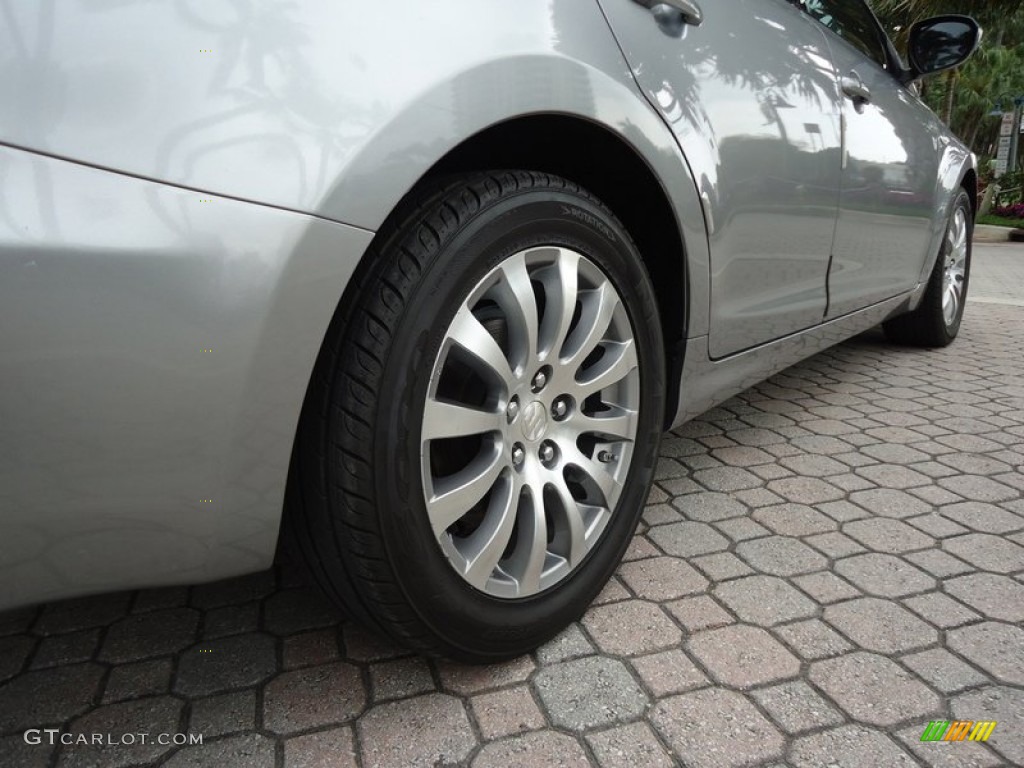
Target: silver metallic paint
x: 751, y: 98
x: 206, y: 174
x: 131, y: 455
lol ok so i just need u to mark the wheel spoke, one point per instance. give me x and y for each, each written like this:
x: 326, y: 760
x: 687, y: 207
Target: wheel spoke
x: 454, y: 496
x: 952, y: 305
x: 527, y: 561
x: 517, y: 299
x: 443, y: 420
x: 617, y: 422
x: 487, y: 544
x: 575, y: 529
x: 961, y: 230
x: 598, y: 307
x: 561, y: 291
x: 596, y: 471
x: 618, y: 361
x: 469, y: 334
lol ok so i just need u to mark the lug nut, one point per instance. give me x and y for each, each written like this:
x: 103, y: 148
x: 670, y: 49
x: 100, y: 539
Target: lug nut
x: 518, y: 454
x: 513, y: 410
x: 560, y: 408
x: 547, y: 452
x: 539, y: 381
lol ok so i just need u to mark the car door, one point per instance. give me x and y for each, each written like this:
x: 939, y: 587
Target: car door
x: 750, y: 95
x: 891, y: 152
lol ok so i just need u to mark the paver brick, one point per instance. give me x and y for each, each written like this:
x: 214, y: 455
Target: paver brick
x: 310, y: 648
x: 668, y: 672
x: 48, y: 696
x: 982, y: 517
x: 884, y: 575
x: 14, y: 652
x: 965, y: 754
x: 940, y: 610
x: 466, y: 679
x: 743, y: 656
x: 220, y: 665
x: 81, y: 613
x: 570, y: 643
x: 505, y: 712
x: 886, y: 535
x: 764, y: 600
x: 943, y: 670
x: 688, y: 539
x: 543, y: 750
x: 61, y: 650
x: 626, y: 746
x: 978, y: 488
x: 333, y: 748
x: 997, y: 597
x: 400, y: 678
x: 825, y: 587
x: 995, y: 647
x: 741, y: 529
x: 252, y: 750
x: 697, y: 613
x: 313, y: 696
x: 805, y: 490
x: 889, y: 502
x: 586, y: 693
x: 880, y: 625
x: 874, y: 689
x: 796, y: 707
x: 631, y: 627
x: 813, y: 639
x: 987, y: 552
x: 716, y: 728
x: 145, y: 635
x: 224, y: 713
x: 425, y: 730
x: 780, y: 556
x: 721, y: 566
x: 937, y: 526
x: 794, y: 520
x: 143, y: 678
x: 154, y: 715
x: 850, y: 746
x: 662, y: 578
x: 1004, y: 705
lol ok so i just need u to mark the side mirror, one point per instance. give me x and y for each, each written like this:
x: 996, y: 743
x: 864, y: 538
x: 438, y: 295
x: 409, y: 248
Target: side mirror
x: 941, y: 43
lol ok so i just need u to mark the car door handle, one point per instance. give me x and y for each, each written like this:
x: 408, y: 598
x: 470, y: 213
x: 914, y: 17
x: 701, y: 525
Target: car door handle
x: 856, y: 91
x: 690, y: 11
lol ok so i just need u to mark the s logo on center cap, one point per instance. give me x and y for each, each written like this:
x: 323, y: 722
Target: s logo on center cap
x: 535, y: 421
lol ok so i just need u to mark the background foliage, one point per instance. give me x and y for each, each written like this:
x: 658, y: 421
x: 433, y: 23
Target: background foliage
x: 965, y: 98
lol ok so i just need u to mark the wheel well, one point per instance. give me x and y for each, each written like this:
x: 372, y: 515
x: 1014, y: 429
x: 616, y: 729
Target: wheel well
x: 970, y: 185
x: 605, y: 165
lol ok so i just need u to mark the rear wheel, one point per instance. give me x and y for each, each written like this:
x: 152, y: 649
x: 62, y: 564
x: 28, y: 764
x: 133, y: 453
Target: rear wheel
x: 936, y: 322
x: 482, y: 430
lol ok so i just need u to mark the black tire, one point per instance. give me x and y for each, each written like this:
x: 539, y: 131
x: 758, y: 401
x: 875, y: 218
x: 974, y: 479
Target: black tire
x: 356, y: 504
x: 927, y: 325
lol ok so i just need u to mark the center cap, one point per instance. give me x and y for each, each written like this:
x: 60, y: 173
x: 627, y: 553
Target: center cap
x: 535, y: 421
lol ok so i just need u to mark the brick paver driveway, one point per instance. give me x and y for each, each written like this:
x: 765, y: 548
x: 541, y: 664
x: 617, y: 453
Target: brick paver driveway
x: 830, y: 561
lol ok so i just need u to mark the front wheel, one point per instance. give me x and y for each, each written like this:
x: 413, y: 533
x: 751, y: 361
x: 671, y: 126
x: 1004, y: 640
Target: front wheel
x: 936, y: 322
x: 483, y: 429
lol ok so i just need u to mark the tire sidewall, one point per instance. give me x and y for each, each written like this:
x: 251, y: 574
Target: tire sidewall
x: 452, y: 608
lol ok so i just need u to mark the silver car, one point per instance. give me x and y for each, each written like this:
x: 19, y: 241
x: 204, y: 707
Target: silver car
x: 420, y: 285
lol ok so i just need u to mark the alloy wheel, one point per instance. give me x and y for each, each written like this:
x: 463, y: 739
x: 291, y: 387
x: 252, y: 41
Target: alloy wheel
x: 529, y: 422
